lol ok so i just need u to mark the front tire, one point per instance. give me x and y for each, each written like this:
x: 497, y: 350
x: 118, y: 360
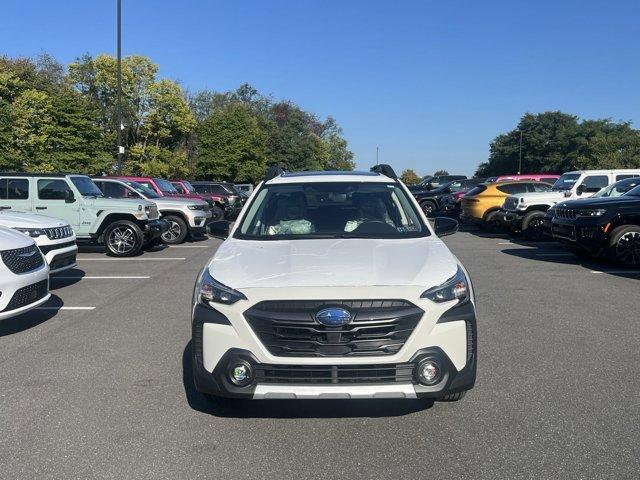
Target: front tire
x: 533, y: 226
x: 216, y: 213
x: 177, y: 230
x: 428, y: 207
x: 453, y: 397
x: 624, y: 247
x: 123, y: 239
x: 491, y: 224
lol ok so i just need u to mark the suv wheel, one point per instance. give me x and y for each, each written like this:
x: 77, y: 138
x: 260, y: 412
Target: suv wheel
x: 532, y: 226
x: 490, y: 223
x: 453, y: 397
x: 123, y: 239
x: 177, y: 230
x: 216, y: 213
x: 428, y: 207
x: 624, y: 247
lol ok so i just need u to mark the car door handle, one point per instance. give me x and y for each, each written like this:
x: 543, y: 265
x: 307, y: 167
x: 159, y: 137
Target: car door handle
x: 41, y: 208
x: 5, y: 207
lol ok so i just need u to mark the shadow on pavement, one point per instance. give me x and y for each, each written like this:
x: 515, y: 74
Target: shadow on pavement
x: 32, y: 318
x: 66, y: 278
x: 293, y: 408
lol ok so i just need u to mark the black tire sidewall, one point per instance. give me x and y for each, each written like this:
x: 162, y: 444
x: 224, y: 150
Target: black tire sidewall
x: 525, y: 225
x: 220, y: 213
x: 615, y: 236
x: 138, y: 235
x: 183, y: 229
x: 428, y: 202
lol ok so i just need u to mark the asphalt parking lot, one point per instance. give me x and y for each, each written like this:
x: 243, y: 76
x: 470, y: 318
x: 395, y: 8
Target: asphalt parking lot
x: 97, y: 384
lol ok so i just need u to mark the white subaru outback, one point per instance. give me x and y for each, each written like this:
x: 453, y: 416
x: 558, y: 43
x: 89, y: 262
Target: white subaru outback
x: 333, y: 285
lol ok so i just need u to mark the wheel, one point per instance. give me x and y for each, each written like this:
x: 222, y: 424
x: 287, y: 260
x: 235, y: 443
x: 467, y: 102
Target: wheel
x: 428, y: 207
x: 177, y: 230
x: 533, y: 226
x: 624, y: 247
x: 123, y: 239
x: 491, y: 222
x: 453, y: 397
x: 216, y: 213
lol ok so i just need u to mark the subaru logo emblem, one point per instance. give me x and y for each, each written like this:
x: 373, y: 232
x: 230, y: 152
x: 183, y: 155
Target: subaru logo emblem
x: 333, y: 317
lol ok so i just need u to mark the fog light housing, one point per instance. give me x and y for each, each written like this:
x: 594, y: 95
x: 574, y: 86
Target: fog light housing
x: 429, y: 372
x: 241, y: 374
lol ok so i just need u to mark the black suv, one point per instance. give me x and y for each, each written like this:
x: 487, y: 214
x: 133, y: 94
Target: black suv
x: 224, y: 189
x: 441, y: 199
x: 601, y: 226
x: 430, y: 182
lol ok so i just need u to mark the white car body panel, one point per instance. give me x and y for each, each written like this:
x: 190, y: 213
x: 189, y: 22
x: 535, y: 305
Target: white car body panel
x: 11, y: 282
x: 31, y: 220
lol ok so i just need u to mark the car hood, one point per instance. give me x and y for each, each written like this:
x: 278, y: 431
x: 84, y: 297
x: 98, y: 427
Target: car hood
x: 117, y: 203
x: 176, y: 202
x: 29, y: 220
x: 333, y: 262
x: 10, y: 239
x: 601, y: 202
x: 533, y: 196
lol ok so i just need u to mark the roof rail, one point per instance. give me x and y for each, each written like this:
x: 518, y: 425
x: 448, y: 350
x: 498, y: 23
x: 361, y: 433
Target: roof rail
x: 272, y: 172
x: 384, y: 169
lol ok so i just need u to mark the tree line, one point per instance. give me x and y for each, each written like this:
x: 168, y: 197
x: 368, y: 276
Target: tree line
x: 54, y: 118
x: 556, y: 142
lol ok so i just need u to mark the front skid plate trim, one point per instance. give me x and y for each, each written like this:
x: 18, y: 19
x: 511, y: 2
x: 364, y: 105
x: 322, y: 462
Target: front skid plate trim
x: 266, y: 392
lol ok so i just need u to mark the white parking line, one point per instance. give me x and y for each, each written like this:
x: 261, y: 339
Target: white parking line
x: 634, y: 272
x: 189, y: 246
x: 132, y: 277
x: 166, y: 259
x: 65, y: 308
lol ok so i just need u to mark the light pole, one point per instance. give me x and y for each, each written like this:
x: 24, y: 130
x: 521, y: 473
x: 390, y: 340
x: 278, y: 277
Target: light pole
x: 520, y: 156
x: 119, y: 82
x: 377, y: 152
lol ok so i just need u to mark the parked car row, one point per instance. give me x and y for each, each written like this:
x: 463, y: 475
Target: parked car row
x: 595, y: 213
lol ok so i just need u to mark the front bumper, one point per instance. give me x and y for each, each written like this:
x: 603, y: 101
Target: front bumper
x: 153, y: 229
x: 27, y: 291
x: 60, y: 254
x: 221, y: 338
x: 510, y: 220
x: 586, y: 233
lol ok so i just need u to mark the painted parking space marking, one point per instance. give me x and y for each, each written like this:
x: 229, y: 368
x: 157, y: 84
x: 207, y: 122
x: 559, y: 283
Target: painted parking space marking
x: 190, y: 246
x: 95, y: 277
x: 158, y: 259
x: 619, y: 272
x: 65, y: 308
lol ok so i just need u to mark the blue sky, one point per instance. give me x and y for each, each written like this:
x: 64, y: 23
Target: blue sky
x: 430, y: 83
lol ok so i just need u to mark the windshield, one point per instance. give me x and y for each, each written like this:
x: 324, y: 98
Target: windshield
x: 86, y: 187
x: 566, y: 181
x: 141, y: 189
x: 188, y: 186
x: 165, y: 186
x: 635, y: 192
x: 331, y: 210
x: 618, y: 189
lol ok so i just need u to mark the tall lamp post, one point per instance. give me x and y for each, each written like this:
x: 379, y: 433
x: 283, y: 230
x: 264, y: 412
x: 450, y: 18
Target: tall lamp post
x: 119, y: 82
x: 520, y: 156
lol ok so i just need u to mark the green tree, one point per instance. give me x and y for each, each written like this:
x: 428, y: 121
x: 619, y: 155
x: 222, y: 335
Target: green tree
x: 409, y: 177
x: 440, y: 172
x: 232, y: 146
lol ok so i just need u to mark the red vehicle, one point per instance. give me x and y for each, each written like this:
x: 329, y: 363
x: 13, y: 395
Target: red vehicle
x: 538, y: 177
x: 164, y: 188
x: 221, y: 202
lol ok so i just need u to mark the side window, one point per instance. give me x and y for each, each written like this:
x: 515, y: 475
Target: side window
x: 147, y: 184
x: 625, y: 176
x: 52, y: 189
x: 3, y: 188
x: 538, y: 187
x: 17, y: 188
x: 513, y: 189
x: 179, y: 188
x: 218, y: 190
x: 593, y: 183
x: 113, y: 190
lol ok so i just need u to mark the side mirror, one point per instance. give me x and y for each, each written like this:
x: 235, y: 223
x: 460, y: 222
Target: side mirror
x: 219, y: 229
x: 580, y: 190
x: 445, y: 226
x: 69, y: 197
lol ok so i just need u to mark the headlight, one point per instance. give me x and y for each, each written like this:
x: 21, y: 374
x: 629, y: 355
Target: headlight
x: 456, y: 288
x: 590, y: 212
x: 147, y: 210
x: 32, y: 232
x: 208, y: 291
